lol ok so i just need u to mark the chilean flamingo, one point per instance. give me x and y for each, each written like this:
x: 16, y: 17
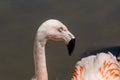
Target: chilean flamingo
x: 49, y: 30
x: 100, y: 67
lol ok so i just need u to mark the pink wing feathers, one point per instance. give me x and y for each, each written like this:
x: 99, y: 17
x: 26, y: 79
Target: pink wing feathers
x: 100, y: 67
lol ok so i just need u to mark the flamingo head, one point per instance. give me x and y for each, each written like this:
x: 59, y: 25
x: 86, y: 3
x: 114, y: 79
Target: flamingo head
x: 55, y: 30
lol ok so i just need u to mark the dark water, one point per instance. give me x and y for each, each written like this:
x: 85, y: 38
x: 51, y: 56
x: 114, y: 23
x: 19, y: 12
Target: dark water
x: 95, y: 23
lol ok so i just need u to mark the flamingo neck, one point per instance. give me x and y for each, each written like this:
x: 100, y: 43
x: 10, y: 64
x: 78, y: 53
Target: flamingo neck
x: 40, y: 60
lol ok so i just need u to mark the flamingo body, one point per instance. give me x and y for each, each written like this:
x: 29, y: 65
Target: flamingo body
x: 100, y: 67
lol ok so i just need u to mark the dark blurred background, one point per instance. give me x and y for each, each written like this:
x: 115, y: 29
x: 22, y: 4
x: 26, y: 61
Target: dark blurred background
x: 95, y: 23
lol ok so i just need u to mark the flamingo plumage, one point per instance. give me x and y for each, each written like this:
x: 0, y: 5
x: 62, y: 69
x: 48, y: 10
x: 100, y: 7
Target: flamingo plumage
x: 95, y: 67
x: 49, y: 30
x: 103, y: 66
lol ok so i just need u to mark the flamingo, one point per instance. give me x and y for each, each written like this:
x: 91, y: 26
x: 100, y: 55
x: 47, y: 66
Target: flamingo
x: 95, y: 67
x: 102, y: 66
x: 51, y: 29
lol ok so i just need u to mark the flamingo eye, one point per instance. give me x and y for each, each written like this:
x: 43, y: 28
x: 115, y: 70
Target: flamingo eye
x: 60, y: 29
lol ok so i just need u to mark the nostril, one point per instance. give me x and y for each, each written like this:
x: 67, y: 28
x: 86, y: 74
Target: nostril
x: 69, y: 35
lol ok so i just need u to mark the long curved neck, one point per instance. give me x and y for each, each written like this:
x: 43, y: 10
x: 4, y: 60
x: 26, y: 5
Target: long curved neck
x: 40, y: 59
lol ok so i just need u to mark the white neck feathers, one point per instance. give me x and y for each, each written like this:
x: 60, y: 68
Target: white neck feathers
x: 40, y: 58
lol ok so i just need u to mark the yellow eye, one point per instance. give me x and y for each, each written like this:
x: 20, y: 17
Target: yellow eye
x: 60, y: 29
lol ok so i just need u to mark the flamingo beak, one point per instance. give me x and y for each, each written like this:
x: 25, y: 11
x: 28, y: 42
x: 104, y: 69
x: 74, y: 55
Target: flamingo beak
x: 69, y: 39
x: 71, y: 46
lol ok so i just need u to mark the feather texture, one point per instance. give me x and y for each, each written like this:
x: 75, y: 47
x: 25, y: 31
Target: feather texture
x: 100, y: 67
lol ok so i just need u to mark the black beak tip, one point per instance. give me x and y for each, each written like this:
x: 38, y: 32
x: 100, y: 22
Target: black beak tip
x: 71, y: 46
